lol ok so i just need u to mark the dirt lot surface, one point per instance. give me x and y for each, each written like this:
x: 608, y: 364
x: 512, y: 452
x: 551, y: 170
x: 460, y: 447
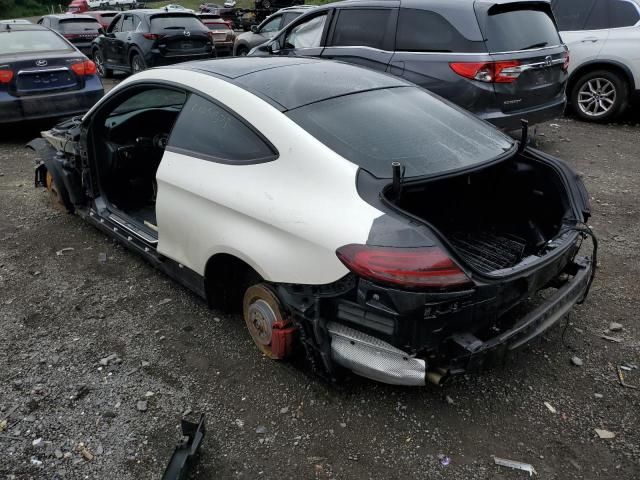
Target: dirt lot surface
x: 64, y: 415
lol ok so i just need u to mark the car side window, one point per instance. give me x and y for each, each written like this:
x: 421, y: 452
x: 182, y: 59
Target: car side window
x: 272, y: 25
x: 623, y: 13
x: 307, y: 34
x: 208, y: 131
x: 360, y: 27
x: 137, y: 21
x: 598, y: 18
x: 425, y: 31
x: 128, y: 24
x: 571, y: 15
x: 288, y: 17
x: 116, y: 25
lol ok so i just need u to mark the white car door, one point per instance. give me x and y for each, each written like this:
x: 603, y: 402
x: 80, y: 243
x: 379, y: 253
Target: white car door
x: 623, y: 42
x: 584, y: 28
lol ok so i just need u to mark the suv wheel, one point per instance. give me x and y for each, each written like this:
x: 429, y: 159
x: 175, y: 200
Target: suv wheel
x: 99, y: 61
x: 242, y: 52
x: 137, y: 63
x: 266, y: 4
x: 599, y: 96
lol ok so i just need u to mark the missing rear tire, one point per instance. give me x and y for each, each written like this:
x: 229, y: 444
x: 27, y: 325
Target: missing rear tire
x: 267, y: 323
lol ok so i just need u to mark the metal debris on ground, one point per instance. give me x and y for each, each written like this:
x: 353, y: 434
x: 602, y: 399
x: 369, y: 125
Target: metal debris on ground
x: 611, y: 339
x: 621, y: 379
x: 186, y: 452
x: 64, y: 250
x: 605, y: 434
x: 525, y: 467
x: 550, y: 407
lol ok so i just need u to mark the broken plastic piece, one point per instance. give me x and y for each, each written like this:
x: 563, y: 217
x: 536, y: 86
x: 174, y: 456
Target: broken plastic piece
x: 621, y: 379
x: 186, y: 452
x: 525, y: 467
x: 605, y: 434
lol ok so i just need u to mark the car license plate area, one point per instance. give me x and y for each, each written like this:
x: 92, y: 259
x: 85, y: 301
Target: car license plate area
x: 42, y: 81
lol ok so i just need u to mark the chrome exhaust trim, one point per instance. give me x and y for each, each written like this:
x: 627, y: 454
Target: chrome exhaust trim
x: 373, y: 358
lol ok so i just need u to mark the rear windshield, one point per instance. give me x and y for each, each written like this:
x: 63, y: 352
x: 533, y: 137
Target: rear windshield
x: 78, y: 24
x: 170, y: 22
x: 520, y: 29
x: 31, y: 41
x: 108, y: 15
x: 217, y: 26
x: 406, y: 125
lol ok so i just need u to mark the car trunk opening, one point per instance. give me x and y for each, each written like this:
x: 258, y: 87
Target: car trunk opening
x: 495, y: 218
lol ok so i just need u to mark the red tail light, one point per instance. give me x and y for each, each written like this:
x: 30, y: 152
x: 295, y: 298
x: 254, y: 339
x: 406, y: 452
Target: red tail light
x: 151, y: 36
x: 406, y: 267
x: 489, y: 72
x: 5, y: 76
x: 71, y: 36
x: 84, y: 68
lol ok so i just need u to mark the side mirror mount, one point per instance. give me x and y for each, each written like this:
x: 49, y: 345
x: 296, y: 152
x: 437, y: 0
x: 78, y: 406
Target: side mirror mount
x: 254, y: 28
x: 274, y: 46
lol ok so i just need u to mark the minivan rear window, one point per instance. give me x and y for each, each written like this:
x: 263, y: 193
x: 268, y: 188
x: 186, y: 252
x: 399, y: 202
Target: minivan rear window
x: 403, y: 124
x: 508, y: 30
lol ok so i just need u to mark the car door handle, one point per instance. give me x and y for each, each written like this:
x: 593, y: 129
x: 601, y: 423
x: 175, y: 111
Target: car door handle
x: 590, y: 39
x: 129, y: 38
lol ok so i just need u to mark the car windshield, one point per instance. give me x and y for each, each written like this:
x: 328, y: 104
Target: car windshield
x: 31, y: 41
x: 181, y: 22
x: 76, y: 24
x: 404, y: 124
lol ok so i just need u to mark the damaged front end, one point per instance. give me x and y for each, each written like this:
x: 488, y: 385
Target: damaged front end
x: 61, y: 163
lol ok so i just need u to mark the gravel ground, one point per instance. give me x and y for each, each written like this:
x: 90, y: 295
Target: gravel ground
x: 64, y: 414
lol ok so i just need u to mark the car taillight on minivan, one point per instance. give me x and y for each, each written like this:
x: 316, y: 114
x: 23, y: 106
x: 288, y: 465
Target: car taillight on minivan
x: 416, y: 268
x: 84, y: 68
x: 152, y: 36
x: 490, y: 72
x: 5, y: 75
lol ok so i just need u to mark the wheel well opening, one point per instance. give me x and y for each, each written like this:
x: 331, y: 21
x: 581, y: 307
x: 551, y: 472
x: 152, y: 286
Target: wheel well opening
x: 226, y: 279
x: 624, y: 75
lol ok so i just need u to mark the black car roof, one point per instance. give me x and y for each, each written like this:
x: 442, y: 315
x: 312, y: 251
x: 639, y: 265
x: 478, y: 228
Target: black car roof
x: 288, y: 82
x: 147, y: 12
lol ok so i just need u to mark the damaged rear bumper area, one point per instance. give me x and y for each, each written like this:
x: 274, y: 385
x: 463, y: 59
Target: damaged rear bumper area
x: 374, y: 358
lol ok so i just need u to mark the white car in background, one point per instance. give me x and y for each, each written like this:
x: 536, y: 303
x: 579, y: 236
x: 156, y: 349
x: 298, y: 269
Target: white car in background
x: 603, y: 37
x: 173, y: 7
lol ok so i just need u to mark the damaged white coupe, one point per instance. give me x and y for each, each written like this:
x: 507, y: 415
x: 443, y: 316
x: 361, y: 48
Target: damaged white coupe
x: 357, y: 220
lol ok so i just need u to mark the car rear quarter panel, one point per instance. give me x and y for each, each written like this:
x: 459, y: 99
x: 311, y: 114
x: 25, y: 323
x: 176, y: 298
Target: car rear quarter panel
x: 285, y: 217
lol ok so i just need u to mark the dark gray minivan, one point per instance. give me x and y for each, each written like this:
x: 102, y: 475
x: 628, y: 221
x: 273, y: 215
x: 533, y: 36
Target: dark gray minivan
x: 503, y: 60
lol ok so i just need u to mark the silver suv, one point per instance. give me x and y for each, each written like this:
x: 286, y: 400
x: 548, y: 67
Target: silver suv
x: 603, y: 37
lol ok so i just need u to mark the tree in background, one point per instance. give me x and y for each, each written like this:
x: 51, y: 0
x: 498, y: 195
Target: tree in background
x: 25, y: 8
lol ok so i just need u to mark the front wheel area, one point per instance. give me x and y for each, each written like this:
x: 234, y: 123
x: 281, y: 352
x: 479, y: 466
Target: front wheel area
x: 98, y: 59
x: 137, y: 63
x: 267, y: 322
x: 599, y: 96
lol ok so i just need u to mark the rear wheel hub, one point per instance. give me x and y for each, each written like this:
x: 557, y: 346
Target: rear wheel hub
x: 270, y: 331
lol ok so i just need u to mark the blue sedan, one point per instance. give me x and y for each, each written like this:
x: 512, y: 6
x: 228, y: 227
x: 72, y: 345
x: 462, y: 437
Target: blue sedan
x: 43, y: 76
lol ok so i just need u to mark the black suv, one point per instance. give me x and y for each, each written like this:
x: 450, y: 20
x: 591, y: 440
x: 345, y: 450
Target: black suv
x: 500, y: 59
x: 137, y: 39
x: 276, y: 4
x: 78, y: 29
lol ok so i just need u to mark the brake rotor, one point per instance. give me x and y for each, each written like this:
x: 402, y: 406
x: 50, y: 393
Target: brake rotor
x: 265, y: 321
